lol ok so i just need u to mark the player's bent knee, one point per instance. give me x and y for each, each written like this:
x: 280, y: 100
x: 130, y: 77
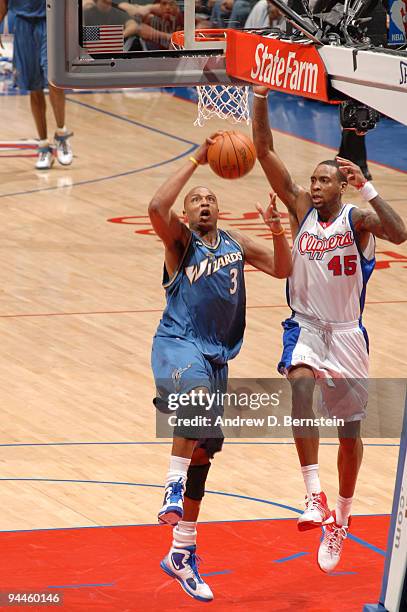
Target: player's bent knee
x: 196, y: 478
x: 213, y: 445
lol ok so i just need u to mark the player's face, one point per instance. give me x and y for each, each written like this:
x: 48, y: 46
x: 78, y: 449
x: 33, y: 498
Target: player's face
x: 201, y: 209
x: 326, y: 188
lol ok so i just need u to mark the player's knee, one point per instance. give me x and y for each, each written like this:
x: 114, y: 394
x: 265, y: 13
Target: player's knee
x: 349, y: 436
x: 196, y: 479
x: 213, y: 445
x: 351, y: 445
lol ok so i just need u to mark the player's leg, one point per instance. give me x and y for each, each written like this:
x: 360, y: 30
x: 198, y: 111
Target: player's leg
x: 181, y: 561
x: 62, y: 134
x: 57, y: 99
x: 350, y: 455
x: 29, y: 77
x: 347, y: 400
x: 179, y: 371
x: 306, y: 438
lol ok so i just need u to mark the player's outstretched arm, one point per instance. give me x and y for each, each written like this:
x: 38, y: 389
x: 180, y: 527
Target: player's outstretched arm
x: 382, y: 221
x: 275, y: 170
x: 279, y: 263
x: 164, y: 220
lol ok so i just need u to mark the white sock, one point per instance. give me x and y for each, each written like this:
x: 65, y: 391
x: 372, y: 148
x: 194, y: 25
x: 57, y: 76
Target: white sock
x: 184, y: 534
x: 43, y: 143
x: 178, y: 469
x: 311, y: 478
x: 61, y: 131
x: 343, y: 506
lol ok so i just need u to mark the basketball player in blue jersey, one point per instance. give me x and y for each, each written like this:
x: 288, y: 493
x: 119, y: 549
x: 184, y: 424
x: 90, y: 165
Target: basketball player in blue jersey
x: 324, y: 339
x: 31, y: 66
x: 201, y: 329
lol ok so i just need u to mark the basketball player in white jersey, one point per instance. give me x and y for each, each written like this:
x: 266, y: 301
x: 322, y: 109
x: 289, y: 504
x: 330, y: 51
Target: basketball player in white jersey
x: 324, y: 339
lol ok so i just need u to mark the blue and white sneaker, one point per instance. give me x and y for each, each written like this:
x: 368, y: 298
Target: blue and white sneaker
x: 182, y: 564
x: 45, y: 159
x: 173, y: 507
x: 63, y: 148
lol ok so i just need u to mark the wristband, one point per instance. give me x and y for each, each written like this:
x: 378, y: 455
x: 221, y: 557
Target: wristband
x: 368, y: 192
x: 194, y: 161
x: 278, y: 233
x: 256, y: 95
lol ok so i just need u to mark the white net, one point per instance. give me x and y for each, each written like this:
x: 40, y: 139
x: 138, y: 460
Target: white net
x: 223, y: 101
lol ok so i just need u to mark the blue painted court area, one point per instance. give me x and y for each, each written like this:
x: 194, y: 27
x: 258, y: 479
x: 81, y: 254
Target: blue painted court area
x: 319, y: 122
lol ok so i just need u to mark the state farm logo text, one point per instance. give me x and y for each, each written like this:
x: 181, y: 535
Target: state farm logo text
x: 286, y: 72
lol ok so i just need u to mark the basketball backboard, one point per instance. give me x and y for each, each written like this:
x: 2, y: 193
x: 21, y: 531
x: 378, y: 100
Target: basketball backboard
x: 109, y: 44
x: 104, y: 44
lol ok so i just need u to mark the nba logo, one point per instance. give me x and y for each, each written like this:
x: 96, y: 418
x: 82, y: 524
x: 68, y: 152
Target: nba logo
x: 398, y: 22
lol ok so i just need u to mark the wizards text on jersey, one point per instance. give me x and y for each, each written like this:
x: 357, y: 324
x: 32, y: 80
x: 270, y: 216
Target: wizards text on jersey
x: 211, y: 265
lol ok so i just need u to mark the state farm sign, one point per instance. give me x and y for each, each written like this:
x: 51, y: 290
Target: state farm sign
x: 289, y: 67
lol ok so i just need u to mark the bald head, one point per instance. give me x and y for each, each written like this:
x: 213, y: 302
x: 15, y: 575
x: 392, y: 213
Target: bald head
x: 201, y: 209
x: 198, y: 191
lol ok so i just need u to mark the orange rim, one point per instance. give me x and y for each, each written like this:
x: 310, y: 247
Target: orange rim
x: 178, y: 39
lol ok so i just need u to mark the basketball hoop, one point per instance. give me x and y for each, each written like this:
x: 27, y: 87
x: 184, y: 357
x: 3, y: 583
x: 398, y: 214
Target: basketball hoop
x: 224, y: 101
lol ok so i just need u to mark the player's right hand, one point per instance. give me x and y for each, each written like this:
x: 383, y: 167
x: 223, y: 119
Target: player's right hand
x: 201, y: 154
x: 261, y: 90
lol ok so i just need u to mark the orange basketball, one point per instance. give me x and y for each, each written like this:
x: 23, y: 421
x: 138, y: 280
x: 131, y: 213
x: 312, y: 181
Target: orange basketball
x: 232, y: 155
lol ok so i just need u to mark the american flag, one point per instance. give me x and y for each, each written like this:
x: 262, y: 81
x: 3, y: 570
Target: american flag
x: 103, y: 38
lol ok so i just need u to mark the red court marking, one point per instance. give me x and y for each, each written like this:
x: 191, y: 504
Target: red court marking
x: 150, y: 310
x: 128, y: 558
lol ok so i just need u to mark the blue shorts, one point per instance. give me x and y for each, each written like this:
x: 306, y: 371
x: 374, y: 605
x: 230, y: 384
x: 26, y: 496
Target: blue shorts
x: 30, y: 53
x: 178, y: 367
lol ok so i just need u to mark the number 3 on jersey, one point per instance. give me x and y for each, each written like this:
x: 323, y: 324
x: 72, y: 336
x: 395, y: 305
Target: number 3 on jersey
x: 233, y: 280
x: 348, y: 267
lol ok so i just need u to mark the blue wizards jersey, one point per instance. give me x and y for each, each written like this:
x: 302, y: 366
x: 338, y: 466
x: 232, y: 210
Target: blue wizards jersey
x: 206, y: 298
x: 28, y: 8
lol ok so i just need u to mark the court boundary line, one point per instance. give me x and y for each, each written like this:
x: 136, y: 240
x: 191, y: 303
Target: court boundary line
x: 193, y: 147
x: 152, y: 310
x: 208, y: 491
x: 159, y: 442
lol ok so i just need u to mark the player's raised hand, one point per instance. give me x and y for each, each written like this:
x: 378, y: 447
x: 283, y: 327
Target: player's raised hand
x: 260, y: 90
x: 271, y: 216
x: 201, y: 154
x: 352, y: 172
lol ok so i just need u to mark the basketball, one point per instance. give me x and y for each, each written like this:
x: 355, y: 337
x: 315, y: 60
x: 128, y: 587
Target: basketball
x: 232, y: 155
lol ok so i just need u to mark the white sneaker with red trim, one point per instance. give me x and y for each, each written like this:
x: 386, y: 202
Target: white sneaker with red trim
x: 330, y: 549
x: 316, y: 512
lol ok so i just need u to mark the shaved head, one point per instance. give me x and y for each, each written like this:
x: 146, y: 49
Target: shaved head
x: 195, y: 190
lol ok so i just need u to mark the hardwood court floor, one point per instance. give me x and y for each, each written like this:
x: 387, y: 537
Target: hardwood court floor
x: 81, y: 298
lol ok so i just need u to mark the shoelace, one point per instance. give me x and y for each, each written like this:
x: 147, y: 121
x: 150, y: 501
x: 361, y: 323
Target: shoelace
x: 63, y: 142
x: 43, y: 154
x: 193, y: 563
x: 335, y: 537
x: 314, y: 502
x: 176, y: 489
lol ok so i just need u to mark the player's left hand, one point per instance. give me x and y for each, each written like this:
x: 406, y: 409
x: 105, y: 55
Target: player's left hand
x: 353, y: 173
x: 271, y: 216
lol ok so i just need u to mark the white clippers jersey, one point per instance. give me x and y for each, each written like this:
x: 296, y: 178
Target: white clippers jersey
x: 330, y: 273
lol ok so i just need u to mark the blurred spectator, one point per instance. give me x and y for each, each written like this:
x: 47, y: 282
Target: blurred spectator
x: 221, y: 12
x: 264, y: 15
x: 159, y: 21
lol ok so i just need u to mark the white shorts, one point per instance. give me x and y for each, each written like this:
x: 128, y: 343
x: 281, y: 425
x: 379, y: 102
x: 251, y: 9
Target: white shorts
x: 338, y: 355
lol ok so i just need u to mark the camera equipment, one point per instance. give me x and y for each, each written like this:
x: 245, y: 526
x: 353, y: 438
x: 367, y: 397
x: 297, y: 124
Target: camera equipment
x: 358, y: 117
